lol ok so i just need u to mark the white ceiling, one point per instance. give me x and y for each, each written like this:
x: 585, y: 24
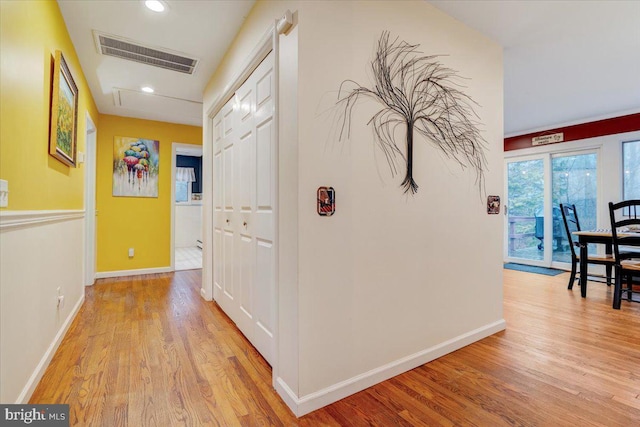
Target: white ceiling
x: 200, y: 29
x: 564, y: 61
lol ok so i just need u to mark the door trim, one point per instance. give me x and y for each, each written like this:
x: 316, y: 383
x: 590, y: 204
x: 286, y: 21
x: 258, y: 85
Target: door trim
x: 267, y: 43
x: 90, y: 203
x: 599, y: 196
x: 544, y: 262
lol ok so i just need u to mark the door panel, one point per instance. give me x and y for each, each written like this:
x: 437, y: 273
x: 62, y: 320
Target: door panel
x: 264, y: 89
x: 228, y: 262
x: 222, y: 206
x: 525, y: 210
x: 265, y: 288
x: 228, y: 178
x: 228, y: 117
x: 264, y: 218
x: 574, y: 181
x: 245, y: 261
x: 264, y: 164
x: 245, y: 171
x: 217, y: 189
x: 217, y: 261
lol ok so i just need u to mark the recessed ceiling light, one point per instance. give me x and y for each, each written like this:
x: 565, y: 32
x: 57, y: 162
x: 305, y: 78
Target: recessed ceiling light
x: 147, y: 89
x: 155, y: 5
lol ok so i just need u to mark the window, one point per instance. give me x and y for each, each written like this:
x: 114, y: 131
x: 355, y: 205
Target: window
x: 185, y: 180
x: 574, y: 182
x: 188, y: 180
x: 183, y: 192
x: 631, y: 170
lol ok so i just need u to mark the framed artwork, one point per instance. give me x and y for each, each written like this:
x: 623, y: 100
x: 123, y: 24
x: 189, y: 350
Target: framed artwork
x: 135, y: 167
x: 326, y: 201
x: 493, y: 205
x: 64, y: 113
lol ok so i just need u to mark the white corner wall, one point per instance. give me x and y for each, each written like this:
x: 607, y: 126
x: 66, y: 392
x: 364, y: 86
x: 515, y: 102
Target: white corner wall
x: 41, y: 251
x: 390, y: 280
x: 261, y: 18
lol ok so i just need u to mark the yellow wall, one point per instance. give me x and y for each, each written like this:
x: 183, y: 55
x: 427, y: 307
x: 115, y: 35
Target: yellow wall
x: 30, y: 33
x: 134, y: 222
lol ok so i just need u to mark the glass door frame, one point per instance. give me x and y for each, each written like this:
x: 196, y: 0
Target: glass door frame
x: 577, y: 152
x: 546, y: 156
x: 546, y: 164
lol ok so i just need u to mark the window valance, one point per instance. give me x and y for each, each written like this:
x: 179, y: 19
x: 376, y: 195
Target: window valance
x: 185, y: 174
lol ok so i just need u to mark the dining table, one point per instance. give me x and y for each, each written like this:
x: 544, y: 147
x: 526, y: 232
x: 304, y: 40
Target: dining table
x: 604, y: 237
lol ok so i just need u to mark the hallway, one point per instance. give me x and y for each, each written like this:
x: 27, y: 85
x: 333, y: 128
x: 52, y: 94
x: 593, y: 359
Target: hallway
x: 147, y: 350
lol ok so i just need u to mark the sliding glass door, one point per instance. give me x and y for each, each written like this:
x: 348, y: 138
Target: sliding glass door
x: 525, y: 211
x: 574, y: 182
x: 536, y: 186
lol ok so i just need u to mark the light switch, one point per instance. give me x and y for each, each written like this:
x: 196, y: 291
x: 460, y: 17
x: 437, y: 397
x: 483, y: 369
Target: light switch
x: 4, y: 193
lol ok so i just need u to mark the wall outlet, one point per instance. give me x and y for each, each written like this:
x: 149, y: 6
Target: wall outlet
x: 60, y: 298
x: 131, y: 252
x: 4, y: 193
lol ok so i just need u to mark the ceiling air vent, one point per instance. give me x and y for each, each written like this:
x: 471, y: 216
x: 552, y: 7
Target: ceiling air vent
x: 133, y: 51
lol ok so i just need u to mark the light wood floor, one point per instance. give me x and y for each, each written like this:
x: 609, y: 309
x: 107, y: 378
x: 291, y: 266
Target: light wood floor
x: 149, y: 351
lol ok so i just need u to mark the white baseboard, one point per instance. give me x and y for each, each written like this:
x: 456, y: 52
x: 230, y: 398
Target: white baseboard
x: 288, y: 395
x: 203, y: 294
x: 311, y: 402
x: 35, y: 378
x: 123, y: 273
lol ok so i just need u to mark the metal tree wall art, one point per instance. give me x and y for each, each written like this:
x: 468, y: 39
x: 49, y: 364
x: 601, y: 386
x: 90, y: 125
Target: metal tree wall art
x: 420, y: 93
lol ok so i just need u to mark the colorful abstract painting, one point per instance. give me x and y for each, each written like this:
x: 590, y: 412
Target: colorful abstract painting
x: 135, y: 167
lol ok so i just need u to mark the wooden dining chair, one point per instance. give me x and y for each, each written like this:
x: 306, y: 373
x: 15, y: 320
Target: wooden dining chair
x: 625, y: 229
x: 572, y: 224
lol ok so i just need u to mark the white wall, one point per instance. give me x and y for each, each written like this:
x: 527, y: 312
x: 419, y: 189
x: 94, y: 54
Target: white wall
x: 390, y: 275
x: 41, y: 251
x: 188, y: 225
x: 390, y: 281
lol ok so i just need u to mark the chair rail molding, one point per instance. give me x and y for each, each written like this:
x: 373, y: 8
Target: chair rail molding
x: 20, y: 219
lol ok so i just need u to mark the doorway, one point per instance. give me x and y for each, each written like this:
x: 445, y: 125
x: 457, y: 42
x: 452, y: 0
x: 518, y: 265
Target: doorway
x: 186, y: 207
x: 244, y: 208
x: 536, y: 186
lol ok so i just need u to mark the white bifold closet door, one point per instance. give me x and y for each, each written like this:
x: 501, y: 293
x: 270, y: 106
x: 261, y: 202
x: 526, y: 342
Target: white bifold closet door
x: 244, y: 197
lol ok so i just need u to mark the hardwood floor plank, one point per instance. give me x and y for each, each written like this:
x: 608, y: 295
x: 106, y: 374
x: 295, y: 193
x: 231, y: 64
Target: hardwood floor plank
x: 317, y: 419
x: 118, y: 371
x: 148, y: 351
x: 435, y: 407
